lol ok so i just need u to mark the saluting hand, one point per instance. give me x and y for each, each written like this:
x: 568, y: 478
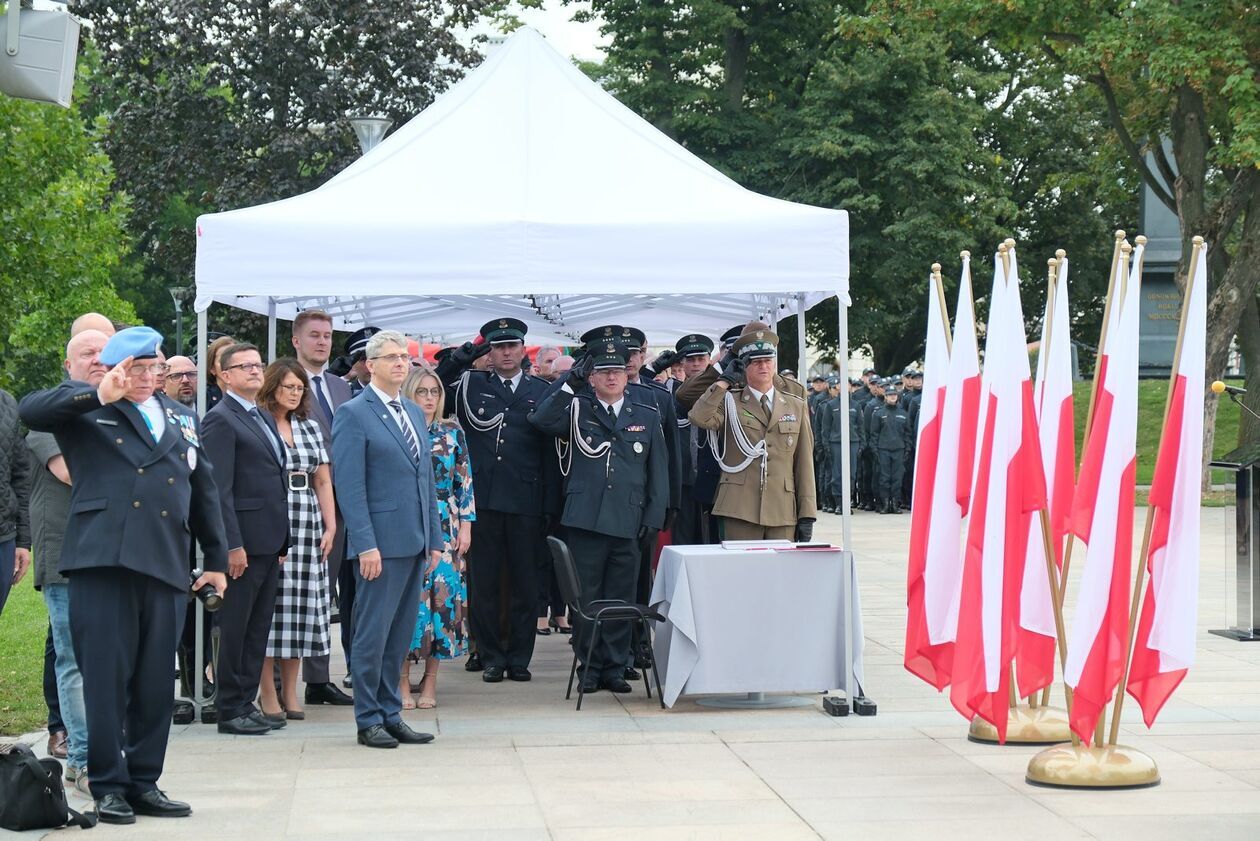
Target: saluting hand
x: 116, y: 383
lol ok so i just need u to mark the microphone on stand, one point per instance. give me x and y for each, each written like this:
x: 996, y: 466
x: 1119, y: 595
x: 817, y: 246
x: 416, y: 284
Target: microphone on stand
x: 1219, y: 387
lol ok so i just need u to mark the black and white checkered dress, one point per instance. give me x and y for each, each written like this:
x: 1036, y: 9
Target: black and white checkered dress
x: 299, y: 627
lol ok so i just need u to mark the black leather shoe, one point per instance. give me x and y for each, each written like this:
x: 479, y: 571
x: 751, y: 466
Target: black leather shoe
x: 244, y: 725
x: 327, y: 693
x: 492, y: 674
x: 616, y: 684
x: 643, y: 660
x: 155, y: 804
x: 377, y: 737
x: 114, y: 808
x: 519, y: 673
x: 347, y: 682
x: 406, y: 735
x: 631, y: 673
x: 590, y: 684
x: 474, y: 663
x: 275, y: 722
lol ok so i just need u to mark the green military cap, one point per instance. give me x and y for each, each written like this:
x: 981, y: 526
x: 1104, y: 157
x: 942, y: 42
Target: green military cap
x: 608, y: 331
x: 756, y: 344
x: 503, y: 330
x: 608, y: 353
x: 633, y: 337
x: 694, y: 344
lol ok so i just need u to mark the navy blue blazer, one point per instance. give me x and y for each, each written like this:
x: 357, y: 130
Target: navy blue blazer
x: 389, y: 502
x: 253, y: 483
x: 134, y: 503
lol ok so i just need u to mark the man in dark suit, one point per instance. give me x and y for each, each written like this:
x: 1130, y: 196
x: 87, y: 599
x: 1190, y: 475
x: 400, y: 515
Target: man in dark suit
x: 616, y: 493
x: 506, y: 453
x: 389, y: 499
x: 695, y: 351
x: 140, y: 490
x: 312, y: 342
x: 249, y: 460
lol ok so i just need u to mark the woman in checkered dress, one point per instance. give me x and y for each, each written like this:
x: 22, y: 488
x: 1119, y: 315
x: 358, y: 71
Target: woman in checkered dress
x: 300, y: 624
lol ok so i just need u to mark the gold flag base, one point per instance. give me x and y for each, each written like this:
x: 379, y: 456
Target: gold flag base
x: 1078, y: 766
x: 1026, y: 726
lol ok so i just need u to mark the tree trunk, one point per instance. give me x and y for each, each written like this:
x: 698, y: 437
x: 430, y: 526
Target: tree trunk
x: 736, y: 68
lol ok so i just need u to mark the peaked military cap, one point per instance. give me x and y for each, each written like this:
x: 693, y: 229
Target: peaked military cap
x: 503, y: 330
x: 608, y: 353
x: 694, y: 344
x: 608, y: 331
x: 633, y: 336
x: 136, y: 342
x: 757, y: 344
x: 729, y: 337
x: 357, y: 341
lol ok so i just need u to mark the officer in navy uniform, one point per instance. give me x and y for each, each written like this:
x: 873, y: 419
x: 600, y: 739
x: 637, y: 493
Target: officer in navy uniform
x: 506, y: 454
x: 141, y: 492
x: 869, y: 457
x: 616, y: 492
x: 890, y: 437
x: 690, y: 527
x: 819, y: 395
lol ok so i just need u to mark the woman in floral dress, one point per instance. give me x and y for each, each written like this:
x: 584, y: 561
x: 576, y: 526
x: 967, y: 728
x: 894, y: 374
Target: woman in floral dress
x: 442, y: 625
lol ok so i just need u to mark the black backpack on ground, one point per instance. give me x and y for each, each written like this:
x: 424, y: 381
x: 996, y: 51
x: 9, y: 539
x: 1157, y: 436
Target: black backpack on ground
x: 31, y: 793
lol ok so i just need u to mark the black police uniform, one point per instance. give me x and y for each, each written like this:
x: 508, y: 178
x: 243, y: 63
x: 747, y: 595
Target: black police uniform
x: 506, y: 455
x: 616, y: 494
x: 135, y: 506
x: 890, y: 436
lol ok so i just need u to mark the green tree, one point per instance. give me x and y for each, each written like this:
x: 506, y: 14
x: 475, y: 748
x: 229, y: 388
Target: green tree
x: 63, y: 241
x: 1181, y: 71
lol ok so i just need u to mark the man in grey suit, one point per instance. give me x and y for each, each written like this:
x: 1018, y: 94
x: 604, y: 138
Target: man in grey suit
x: 312, y: 342
x: 389, y: 500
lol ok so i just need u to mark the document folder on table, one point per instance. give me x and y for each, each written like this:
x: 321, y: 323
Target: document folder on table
x: 757, y: 544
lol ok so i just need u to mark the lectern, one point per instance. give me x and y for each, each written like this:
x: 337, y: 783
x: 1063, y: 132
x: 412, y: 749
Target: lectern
x: 1245, y: 462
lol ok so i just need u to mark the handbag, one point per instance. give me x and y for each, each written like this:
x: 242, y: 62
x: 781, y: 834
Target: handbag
x: 31, y: 793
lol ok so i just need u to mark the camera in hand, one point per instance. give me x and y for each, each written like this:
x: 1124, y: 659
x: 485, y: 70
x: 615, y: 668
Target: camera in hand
x: 208, y: 596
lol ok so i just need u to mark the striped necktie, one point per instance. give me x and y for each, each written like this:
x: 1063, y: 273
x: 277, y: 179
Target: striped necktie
x: 406, y: 430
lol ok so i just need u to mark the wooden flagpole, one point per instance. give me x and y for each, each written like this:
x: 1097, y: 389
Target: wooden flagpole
x: 940, y: 294
x: 1142, y: 564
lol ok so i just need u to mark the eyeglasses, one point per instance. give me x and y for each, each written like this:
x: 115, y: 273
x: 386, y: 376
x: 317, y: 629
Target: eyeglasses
x: 246, y: 366
x: 394, y: 358
x: 182, y: 375
x: 428, y: 392
x: 143, y: 370
x: 294, y: 389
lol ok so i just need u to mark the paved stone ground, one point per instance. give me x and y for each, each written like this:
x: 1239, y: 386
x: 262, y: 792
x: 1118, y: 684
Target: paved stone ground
x: 515, y: 761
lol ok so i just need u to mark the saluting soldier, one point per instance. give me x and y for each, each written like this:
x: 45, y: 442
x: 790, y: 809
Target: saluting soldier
x: 140, y: 493
x: 891, y: 438
x: 767, y: 483
x: 616, y: 492
x: 506, y: 453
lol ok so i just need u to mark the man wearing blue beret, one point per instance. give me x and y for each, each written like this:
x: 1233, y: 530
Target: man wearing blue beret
x: 140, y: 493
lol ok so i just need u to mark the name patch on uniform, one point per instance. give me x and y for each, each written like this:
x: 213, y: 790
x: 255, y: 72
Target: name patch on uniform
x: 636, y: 427
x: 788, y: 418
x: 104, y: 422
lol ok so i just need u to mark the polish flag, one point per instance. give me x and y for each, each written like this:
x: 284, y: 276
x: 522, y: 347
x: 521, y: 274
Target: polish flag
x: 932, y: 655
x: 1052, y: 397
x: 1164, y: 648
x: 1009, y: 486
x: 1102, y: 517
x: 920, y: 656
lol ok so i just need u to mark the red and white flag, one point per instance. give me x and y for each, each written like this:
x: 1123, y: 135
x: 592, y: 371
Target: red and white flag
x: 1102, y: 517
x: 1008, y: 487
x: 920, y: 658
x: 1052, y: 397
x: 1164, y: 648
x: 930, y: 648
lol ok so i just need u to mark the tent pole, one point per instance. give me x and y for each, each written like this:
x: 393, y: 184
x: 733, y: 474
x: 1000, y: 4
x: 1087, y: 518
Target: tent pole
x: 271, y: 329
x: 846, y: 497
x: 199, y: 652
x: 801, y: 373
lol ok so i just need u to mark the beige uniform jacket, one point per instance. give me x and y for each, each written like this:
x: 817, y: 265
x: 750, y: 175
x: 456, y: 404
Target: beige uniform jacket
x: 788, y: 493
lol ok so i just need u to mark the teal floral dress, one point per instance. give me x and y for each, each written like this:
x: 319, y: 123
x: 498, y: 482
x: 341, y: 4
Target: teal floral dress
x: 442, y: 625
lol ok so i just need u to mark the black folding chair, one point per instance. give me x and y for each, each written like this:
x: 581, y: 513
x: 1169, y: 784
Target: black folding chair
x: 604, y: 610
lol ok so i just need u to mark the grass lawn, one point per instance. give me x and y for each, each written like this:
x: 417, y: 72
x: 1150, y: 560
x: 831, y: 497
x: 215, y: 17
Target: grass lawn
x: 1152, y: 394
x: 23, y: 627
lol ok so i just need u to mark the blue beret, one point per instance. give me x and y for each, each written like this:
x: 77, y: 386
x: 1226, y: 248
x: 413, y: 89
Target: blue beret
x: 136, y: 342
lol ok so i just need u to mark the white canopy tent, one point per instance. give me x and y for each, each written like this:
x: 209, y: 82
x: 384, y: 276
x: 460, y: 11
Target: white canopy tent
x: 527, y: 190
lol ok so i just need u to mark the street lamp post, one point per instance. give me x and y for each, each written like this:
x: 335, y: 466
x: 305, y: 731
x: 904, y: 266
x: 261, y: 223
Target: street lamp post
x: 370, y: 130
x: 177, y: 296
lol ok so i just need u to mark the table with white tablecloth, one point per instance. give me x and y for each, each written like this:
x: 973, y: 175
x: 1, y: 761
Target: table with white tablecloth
x: 757, y: 620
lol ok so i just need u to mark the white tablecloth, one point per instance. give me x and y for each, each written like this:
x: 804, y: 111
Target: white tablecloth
x: 755, y: 620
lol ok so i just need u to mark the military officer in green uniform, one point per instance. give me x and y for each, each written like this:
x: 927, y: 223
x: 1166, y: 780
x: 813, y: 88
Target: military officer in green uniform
x: 765, y: 444
x: 616, y: 490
